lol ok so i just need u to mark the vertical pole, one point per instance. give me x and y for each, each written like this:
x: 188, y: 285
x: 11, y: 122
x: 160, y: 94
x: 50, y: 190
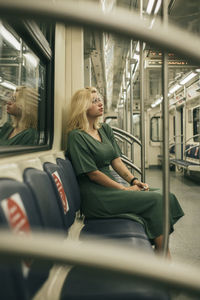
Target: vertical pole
x: 126, y: 114
x: 131, y: 98
x: 20, y: 63
x: 184, y: 116
x: 165, y: 108
x: 142, y: 125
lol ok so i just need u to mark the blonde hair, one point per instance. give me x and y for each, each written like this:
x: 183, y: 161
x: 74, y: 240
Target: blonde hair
x: 27, y: 103
x: 80, y: 103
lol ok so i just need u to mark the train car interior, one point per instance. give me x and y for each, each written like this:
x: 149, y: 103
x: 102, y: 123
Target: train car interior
x: 143, y: 58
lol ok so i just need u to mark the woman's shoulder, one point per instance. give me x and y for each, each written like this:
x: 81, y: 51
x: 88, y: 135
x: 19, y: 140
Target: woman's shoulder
x: 75, y: 133
x: 106, y: 128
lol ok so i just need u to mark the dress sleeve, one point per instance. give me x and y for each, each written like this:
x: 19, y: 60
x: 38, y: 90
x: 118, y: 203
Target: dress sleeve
x: 110, y: 134
x: 79, y: 154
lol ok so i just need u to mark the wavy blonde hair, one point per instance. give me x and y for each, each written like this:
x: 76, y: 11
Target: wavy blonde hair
x: 80, y: 103
x: 27, y: 103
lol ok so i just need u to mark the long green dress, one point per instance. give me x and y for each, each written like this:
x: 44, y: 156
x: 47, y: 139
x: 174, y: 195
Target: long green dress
x: 88, y: 154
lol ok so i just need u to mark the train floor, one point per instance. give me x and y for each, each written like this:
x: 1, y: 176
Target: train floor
x: 185, y: 240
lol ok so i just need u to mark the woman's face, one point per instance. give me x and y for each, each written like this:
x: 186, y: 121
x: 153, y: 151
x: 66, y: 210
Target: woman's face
x: 12, y: 107
x: 96, y: 108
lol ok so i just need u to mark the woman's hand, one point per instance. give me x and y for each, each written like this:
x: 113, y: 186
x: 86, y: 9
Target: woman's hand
x: 141, y: 185
x: 134, y: 187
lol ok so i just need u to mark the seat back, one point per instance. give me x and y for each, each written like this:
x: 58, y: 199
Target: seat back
x: 45, y: 198
x: 70, y: 178
x: 19, y: 212
x: 12, y: 285
x: 17, y: 206
x: 62, y: 189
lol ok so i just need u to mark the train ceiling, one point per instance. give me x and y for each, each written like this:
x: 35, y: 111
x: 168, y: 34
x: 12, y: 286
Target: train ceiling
x: 185, y: 14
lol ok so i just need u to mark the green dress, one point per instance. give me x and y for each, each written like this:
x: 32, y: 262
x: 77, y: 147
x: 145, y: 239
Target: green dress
x: 88, y: 154
x: 27, y: 137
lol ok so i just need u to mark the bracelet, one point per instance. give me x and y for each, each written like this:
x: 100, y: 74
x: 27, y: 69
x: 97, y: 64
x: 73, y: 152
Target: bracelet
x: 132, y: 180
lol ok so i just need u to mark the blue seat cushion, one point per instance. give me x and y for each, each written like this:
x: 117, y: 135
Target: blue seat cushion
x: 124, y: 231
x: 115, y: 227
x: 89, y: 284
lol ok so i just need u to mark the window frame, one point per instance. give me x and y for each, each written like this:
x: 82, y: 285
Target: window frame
x: 31, y: 34
x: 196, y: 139
x: 151, y: 131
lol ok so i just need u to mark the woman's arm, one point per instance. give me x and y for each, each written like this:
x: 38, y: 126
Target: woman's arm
x: 124, y: 172
x: 121, y: 169
x: 102, y: 179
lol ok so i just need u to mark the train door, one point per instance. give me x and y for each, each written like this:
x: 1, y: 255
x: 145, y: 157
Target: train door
x: 154, y: 137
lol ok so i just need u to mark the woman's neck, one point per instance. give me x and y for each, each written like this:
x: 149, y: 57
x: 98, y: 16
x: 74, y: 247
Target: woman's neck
x: 91, y: 125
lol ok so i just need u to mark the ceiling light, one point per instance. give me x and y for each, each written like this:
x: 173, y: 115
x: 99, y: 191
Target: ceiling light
x: 8, y: 85
x: 150, y: 6
x: 158, y: 4
x: 9, y: 37
x: 187, y: 78
x: 174, y: 88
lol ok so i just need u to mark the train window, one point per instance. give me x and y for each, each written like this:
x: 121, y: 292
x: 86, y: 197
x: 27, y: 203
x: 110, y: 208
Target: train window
x: 24, y: 96
x: 196, y: 123
x: 156, y: 129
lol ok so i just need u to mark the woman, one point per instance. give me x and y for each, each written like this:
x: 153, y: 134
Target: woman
x: 22, y: 109
x: 92, y: 149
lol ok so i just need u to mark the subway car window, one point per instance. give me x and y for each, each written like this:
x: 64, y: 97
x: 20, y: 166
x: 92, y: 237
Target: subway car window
x: 23, y: 91
x: 156, y: 129
x: 196, y: 123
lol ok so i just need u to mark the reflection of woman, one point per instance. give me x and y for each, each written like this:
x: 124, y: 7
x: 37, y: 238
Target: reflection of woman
x: 22, y: 108
x: 92, y: 149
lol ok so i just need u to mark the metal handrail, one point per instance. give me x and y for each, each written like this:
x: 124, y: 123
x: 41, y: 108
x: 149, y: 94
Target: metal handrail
x: 102, y: 255
x: 120, y: 21
x: 124, y: 133
x: 122, y: 137
x: 193, y: 137
x: 127, y: 161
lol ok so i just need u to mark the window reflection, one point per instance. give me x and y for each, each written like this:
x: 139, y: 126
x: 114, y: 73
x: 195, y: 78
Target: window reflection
x: 21, y: 125
x: 22, y: 89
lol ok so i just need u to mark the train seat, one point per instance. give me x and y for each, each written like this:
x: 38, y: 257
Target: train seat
x: 45, y: 199
x: 125, y: 231
x: 192, y: 159
x: 71, y: 181
x: 16, y: 196
x: 115, y: 228
x: 12, y: 285
x: 88, y: 284
x: 67, y: 193
x: 18, y: 211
